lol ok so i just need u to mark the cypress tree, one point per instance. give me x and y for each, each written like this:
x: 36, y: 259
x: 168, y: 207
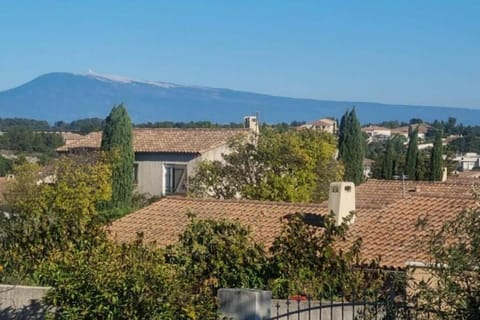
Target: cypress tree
x: 351, y: 147
x: 387, y: 167
x: 117, y: 138
x: 436, y: 160
x: 412, y: 155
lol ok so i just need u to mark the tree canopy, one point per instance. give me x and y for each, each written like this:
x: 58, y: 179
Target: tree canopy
x: 50, y: 211
x: 351, y: 147
x: 412, y: 155
x: 436, y: 160
x: 292, y: 165
x: 452, y: 289
x: 117, y: 139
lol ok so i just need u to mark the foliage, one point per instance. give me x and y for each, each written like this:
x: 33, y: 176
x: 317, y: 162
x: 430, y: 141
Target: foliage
x: 325, y: 266
x: 351, y: 147
x: 422, y: 171
x: 23, y: 138
x: 292, y: 165
x: 109, y: 281
x: 213, y: 254
x: 436, y: 160
x: 139, y: 201
x: 412, y: 155
x: 6, y: 166
x: 38, y: 125
x: 453, y: 290
x: 387, y: 165
x: 117, y: 138
x: 50, y: 212
x: 377, y: 151
x: 82, y: 126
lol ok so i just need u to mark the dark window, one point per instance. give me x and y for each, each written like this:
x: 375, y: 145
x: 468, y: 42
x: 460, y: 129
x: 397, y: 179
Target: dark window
x: 135, y: 174
x: 175, y: 178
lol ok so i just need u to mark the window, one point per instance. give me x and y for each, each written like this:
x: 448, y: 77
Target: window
x: 175, y: 178
x: 135, y: 174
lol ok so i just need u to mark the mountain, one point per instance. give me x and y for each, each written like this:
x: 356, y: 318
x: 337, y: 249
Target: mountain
x: 68, y: 96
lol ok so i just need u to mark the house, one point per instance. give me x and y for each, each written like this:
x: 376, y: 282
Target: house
x: 467, y: 161
x: 324, y: 124
x: 367, y: 167
x: 387, y: 214
x: 377, y: 133
x: 423, y: 129
x: 165, y: 158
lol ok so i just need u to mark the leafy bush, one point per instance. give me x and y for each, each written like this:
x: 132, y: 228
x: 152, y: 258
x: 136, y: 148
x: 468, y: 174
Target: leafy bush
x: 211, y: 255
x: 109, y: 281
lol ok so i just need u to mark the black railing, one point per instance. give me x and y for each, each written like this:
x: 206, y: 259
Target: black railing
x: 353, y: 307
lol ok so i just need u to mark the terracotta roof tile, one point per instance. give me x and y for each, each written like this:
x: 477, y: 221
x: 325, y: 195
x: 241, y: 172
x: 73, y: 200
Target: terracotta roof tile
x: 164, y: 220
x: 392, y: 233
x: 164, y: 140
x: 385, y: 220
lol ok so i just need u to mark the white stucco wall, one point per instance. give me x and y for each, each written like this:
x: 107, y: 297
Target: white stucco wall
x: 211, y: 155
x: 150, y: 177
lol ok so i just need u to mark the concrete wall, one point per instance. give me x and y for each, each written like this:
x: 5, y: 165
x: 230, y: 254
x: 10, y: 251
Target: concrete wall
x: 151, y: 173
x: 151, y: 170
x: 21, y: 302
x: 244, y: 304
x: 211, y: 155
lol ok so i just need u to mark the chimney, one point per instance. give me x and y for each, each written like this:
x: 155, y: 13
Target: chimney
x: 444, y: 174
x: 341, y: 200
x: 251, y: 122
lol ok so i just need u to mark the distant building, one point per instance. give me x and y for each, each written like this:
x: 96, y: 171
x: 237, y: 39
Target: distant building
x: 367, y: 167
x: 324, y: 124
x: 467, y: 161
x: 376, y: 133
x: 423, y: 128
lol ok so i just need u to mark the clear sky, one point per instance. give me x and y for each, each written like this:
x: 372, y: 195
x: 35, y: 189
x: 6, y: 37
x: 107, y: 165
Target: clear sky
x: 398, y: 51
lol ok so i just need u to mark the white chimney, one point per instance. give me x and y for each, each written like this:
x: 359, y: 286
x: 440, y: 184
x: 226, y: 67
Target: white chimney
x: 444, y: 174
x: 251, y: 122
x: 341, y: 200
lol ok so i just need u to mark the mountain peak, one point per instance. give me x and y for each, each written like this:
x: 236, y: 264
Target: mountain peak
x: 126, y: 80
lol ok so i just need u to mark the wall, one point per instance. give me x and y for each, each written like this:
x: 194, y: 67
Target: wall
x: 21, y: 302
x: 211, y: 155
x: 150, y: 169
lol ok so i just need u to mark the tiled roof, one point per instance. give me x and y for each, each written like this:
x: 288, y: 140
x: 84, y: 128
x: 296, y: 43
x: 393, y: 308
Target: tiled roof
x: 385, y: 219
x: 164, y: 140
x: 376, y: 194
x: 165, y: 220
x: 392, y: 233
x: 375, y: 128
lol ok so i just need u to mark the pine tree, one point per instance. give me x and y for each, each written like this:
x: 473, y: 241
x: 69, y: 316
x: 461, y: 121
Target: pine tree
x: 436, y: 161
x: 412, y: 155
x: 351, y: 147
x: 117, y: 138
x: 387, y: 167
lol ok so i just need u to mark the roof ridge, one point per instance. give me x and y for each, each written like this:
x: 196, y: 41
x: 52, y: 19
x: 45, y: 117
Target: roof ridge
x: 247, y: 201
x: 189, y: 129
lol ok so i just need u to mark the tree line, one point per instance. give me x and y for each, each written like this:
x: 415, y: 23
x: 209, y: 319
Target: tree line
x: 397, y: 157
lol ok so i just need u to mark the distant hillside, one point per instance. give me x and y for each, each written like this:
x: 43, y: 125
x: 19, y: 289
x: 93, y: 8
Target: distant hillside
x: 67, y: 96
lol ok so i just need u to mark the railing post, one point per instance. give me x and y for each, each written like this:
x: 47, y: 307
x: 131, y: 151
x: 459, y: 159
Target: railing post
x: 244, y: 304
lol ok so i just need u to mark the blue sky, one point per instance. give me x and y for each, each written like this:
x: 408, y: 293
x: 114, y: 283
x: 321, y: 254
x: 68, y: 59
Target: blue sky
x: 410, y: 52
